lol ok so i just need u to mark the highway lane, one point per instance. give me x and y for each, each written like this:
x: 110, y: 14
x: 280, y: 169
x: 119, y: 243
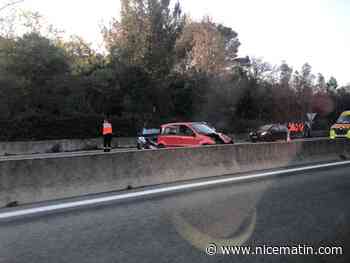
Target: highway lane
x: 310, y: 208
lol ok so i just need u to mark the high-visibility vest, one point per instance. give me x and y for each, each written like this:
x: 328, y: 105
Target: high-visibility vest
x: 107, y: 128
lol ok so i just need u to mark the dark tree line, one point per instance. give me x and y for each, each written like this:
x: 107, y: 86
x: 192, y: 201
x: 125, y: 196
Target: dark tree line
x: 159, y: 66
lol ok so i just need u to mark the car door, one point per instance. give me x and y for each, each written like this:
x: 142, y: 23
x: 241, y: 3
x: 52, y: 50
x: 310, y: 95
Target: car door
x: 186, y: 137
x: 275, y: 133
x: 283, y: 132
x: 170, y: 136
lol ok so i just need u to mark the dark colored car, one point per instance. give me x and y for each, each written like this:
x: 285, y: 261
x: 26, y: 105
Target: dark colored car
x: 190, y: 134
x: 268, y: 133
x: 147, y: 139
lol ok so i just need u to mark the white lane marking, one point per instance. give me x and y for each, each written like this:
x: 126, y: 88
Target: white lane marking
x: 170, y: 189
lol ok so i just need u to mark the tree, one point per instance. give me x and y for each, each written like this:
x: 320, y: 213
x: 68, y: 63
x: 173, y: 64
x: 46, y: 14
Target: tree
x: 346, y: 88
x: 166, y: 25
x: 126, y: 39
x: 36, y: 61
x: 146, y: 35
x: 231, y: 43
x: 332, y: 84
x: 160, y: 66
x: 83, y: 59
x: 9, y: 4
x: 36, y: 58
x: 259, y: 69
x: 321, y: 83
x: 19, y: 22
x: 303, y: 84
x: 7, y: 25
x: 285, y: 74
x: 307, y: 76
x: 207, y: 47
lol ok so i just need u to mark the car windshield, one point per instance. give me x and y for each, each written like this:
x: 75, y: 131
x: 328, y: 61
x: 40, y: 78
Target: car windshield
x: 203, y: 129
x: 265, y: 128
x: 344, y: 119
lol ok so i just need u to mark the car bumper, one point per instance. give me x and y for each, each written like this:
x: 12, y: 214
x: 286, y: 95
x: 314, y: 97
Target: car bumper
x: 257, y: 137
x: 254, y: 137
x: 333, y: 135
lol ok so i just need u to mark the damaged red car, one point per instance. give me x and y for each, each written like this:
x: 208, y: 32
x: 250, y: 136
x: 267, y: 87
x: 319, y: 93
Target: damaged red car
x: 190, y: 134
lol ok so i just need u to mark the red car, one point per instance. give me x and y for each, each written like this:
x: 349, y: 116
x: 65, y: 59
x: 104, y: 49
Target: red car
x: 189, y: 134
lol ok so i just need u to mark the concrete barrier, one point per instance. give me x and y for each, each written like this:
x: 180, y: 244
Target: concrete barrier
x: 39, y: 179
x: 54, y: 146
x: 70, y: 145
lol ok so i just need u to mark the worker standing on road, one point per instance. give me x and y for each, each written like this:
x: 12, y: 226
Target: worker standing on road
x: 107, y: 132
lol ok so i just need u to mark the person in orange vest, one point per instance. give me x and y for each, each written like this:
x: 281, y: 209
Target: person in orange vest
x: 107, y: 132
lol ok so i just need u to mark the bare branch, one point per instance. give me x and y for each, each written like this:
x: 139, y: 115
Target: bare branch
x: 10, y: 4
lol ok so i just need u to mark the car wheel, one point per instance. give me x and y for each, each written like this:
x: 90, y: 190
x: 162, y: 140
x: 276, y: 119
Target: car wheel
x: 308, y: 133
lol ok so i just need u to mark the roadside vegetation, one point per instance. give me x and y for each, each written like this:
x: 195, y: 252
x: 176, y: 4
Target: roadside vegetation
x: 157, y: 65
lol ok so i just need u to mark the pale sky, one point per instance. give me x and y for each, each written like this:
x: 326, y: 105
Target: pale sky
x: 298, y: 31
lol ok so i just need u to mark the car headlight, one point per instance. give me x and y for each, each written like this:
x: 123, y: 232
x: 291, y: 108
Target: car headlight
x: 264, y: 133
x: 142, y: 140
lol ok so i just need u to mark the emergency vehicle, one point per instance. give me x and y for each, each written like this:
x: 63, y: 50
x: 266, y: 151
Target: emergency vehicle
x: 342, y: 127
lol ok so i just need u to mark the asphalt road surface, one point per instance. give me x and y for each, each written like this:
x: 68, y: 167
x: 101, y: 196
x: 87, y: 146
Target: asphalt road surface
x: 310, y: 208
